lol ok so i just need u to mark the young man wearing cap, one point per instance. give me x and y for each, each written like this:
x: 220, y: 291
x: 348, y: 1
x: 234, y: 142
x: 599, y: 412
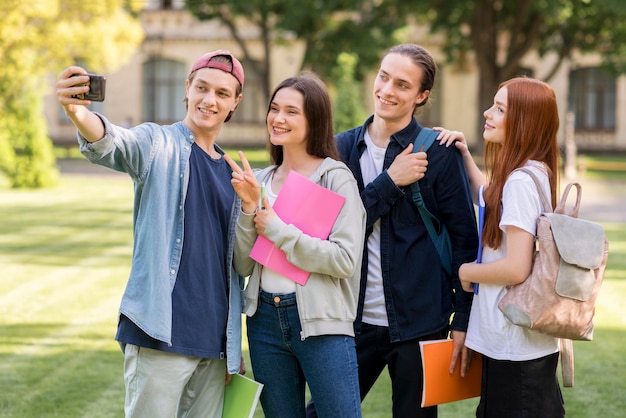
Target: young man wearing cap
x: 180, y: 316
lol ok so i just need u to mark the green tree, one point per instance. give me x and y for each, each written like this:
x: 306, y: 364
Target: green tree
x: 40, y: 37
x: 500, y: 33
x: 363, y: 27
x: 260, y: 14
x: 497, y: 34
x: 348, y: 109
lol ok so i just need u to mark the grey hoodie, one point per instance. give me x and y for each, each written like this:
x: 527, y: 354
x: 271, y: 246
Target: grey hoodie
x: 327, y: 303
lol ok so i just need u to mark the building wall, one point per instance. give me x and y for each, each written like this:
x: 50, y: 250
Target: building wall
x: 175, y: 34
x: 458, y: 90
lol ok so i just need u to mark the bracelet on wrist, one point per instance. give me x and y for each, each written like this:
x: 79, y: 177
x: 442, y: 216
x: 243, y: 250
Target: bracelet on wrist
x: 249, y: 213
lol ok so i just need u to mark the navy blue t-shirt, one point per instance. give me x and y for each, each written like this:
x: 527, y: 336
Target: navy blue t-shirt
x: 200, y: 295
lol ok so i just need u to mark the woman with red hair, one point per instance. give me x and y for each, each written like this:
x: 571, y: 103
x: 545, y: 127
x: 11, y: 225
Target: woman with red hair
x: 519, y: 365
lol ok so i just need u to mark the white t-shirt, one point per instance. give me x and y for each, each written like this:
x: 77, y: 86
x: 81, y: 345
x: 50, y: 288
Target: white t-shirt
x: 271, y: 281
x: 489, y: 332
x: 374, y: 311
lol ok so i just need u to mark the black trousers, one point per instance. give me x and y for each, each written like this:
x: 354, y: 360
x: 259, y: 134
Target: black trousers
x: 520, y: 389
x: 404, y: 361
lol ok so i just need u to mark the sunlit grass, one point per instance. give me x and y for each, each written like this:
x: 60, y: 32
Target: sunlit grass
x: 611, y: 166
x: 64, y: 260
x: 64, y: 257
x: 258, y: 157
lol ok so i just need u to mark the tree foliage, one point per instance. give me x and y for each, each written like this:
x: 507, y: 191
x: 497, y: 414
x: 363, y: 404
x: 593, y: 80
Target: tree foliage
x: 347, y: 98
x: 500, y: 33
x: 361, y: 27
x: 328, y: 28
x: 497, y: 33
x: 260, y: 14
x: 40, y: 37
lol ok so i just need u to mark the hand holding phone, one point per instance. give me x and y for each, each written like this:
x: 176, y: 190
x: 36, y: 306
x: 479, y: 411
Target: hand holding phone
x: 97, y: 85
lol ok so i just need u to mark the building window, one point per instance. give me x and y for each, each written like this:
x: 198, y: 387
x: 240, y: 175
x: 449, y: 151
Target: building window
x: 592, y: 99
x: 164, y: 91
x: 253, y: 107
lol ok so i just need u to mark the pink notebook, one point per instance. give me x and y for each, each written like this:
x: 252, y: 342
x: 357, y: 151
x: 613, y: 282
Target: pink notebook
x: 306, y: 205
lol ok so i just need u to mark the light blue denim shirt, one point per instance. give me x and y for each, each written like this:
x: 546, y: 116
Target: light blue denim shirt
x: 156, y: 158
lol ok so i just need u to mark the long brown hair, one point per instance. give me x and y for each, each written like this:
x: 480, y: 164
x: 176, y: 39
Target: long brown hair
x: 319, y: 115
x: 531, y: 125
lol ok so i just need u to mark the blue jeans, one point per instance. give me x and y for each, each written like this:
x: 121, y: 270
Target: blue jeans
x: 403, y: 359
x: 284, y: 362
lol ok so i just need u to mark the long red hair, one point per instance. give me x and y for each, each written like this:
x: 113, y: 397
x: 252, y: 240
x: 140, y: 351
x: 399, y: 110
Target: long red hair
x: 531, y: 125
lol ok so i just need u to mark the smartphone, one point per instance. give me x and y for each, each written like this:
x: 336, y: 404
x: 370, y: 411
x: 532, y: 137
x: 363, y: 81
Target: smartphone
x: 97, y: 85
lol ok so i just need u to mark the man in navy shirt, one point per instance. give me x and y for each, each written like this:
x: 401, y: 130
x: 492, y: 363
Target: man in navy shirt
x: 180, y: 316
x: 406, y: 296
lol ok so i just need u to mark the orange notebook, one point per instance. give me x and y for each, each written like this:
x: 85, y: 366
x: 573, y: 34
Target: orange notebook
x: 439, y: 385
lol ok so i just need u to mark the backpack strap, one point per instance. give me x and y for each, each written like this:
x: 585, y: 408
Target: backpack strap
x: 424, y: 139
x: 545, y: 201
x: 435, y: 228
x: 567, y: 362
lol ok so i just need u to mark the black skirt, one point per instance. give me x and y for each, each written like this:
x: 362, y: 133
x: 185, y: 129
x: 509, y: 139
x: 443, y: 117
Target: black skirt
x: 520, y: 389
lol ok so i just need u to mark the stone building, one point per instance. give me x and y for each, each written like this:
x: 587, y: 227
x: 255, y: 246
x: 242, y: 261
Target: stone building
x: 150, y: 87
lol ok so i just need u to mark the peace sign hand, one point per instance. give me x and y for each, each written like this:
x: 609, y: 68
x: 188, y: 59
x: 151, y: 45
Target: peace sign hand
x: 245, y: 183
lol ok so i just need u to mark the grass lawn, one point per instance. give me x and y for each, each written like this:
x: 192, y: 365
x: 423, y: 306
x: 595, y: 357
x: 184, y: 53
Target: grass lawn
x: 64, y: 259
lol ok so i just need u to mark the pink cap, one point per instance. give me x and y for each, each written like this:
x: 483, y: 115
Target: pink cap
x: 205, y: 62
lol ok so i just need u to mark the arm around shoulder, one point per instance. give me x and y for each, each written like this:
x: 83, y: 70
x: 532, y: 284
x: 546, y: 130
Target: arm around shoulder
x: 474, y: 174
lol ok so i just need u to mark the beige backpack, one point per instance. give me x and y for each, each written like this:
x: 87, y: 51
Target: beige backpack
x: 558, y: 297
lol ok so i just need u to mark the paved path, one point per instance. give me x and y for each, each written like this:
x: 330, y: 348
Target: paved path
x: 82, y: 167
x: 602, y: 201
